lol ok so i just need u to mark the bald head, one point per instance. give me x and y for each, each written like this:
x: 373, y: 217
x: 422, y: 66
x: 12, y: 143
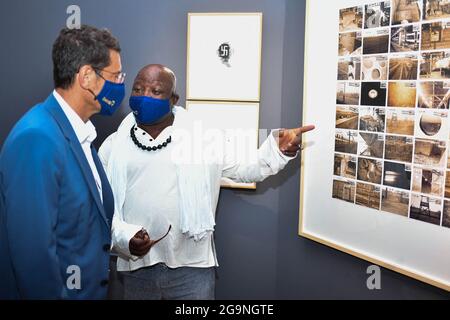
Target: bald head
x: 156, y: 81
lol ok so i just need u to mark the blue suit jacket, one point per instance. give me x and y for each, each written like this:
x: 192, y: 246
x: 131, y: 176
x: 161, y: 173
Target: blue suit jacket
x: 51, y: 215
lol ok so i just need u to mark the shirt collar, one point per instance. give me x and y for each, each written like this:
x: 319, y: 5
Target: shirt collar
x: 85, y: 132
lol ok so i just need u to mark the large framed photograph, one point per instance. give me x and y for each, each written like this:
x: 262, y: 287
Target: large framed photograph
x: 239, y: 122
x: 224, y: 56
x: 375, y: 175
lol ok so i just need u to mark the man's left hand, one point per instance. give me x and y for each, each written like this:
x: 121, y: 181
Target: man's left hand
x: 290, y: 140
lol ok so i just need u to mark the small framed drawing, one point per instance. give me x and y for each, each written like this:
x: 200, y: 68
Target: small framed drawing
x: 238, y: 122
x: 375, y: 179
x: 224, y: 56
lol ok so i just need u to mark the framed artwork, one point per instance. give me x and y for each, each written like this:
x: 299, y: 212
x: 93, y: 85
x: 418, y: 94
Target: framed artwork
x: 224, y: 56
x: 375, y: 179
x: 239, y: 121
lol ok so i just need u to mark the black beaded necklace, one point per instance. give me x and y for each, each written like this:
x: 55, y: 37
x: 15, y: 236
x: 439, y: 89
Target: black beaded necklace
x: 146, y: 148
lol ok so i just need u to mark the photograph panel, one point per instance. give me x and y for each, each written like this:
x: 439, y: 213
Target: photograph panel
x: 395, y: 201
x: 377, y: 14
x: 406, y: 11
x: 372, y: 119
x: 405, y: 38
x: 397, y: 175
x: 403, y: 67
x: 347, y: 93
x: 374, y: 67
x: 435, y: 65
x: 400, y: 121
x: 447, y: 185
x: 370, y: 170
x: 346, y: 141
x: 402, y: 94
x: 344, y: 166
x: 430, y: 152
x: 435, y: 35
x: 375, y: 41
x: 347, y: 117
x: 373, y: 94
x: 368, y: 195
x: 448, y: 157
x: 344, y: 190
x: 433, y: 94
x: 350, y: 44
x: 435, y: 9
x: 371, y: 144
x: 224, y: 53
x: 446, y: 214
x: 428, y: 181
x: 426, y: 209
x: 350, y: 19
x: 349, y: 68
x: 431, y: 124
x: 399, y: 148
x: 238, y: 123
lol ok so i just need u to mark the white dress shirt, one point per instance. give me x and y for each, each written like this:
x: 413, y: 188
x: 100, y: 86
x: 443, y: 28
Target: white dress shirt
x: 152, y: 201
x: 85, y: 133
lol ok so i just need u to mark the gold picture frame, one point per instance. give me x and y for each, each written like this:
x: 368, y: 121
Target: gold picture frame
x: 311, y: 230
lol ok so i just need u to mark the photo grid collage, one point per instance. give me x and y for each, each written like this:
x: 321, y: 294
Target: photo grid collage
x: 392, y: 138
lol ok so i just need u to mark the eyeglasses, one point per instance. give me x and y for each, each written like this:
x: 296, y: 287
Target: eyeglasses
x: 156, y: 241
x: 119, y: 77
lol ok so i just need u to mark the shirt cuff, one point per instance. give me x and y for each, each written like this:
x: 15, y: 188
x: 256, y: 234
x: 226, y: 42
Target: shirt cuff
x: 274, y: 143
x: 122, y: 234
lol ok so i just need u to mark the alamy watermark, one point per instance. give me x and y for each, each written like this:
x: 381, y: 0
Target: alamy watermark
x: 74, y: 19
x: 73, y: 281
x: 374, y: 280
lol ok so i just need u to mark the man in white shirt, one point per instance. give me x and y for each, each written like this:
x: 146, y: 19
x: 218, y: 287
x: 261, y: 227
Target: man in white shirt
x: 157, y: 190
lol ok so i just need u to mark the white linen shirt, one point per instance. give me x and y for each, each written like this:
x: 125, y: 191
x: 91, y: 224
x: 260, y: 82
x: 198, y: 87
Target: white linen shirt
x: 85, y: 133
x: 152, y: 201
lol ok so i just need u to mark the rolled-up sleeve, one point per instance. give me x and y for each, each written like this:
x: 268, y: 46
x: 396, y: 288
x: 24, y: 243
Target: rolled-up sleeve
x: 121, y: 231
x: 269, y: 160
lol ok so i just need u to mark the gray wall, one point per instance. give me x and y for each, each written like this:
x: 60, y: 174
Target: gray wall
x: 260, y: 254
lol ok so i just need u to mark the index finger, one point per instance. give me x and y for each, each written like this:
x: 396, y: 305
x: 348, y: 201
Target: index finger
x: 304, y: 129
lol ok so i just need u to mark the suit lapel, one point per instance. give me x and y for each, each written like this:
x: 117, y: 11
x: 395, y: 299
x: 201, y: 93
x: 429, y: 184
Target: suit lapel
x: 56, y: 111
x: 87, y: 172
x: 108, y: 199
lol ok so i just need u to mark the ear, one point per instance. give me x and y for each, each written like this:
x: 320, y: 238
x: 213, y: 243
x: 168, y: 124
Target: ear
x: 174, y: 98
x: 86, y: 76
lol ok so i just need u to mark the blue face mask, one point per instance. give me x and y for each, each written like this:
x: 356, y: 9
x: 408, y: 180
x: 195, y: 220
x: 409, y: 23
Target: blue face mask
x: 110, y: 97
x: 148, y: 110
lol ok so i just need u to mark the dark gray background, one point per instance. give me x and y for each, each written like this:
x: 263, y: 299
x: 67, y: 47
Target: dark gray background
x: 260, y: 254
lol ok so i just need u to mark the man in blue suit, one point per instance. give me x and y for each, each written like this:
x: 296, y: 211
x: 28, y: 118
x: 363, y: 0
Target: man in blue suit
x: 56, y: 204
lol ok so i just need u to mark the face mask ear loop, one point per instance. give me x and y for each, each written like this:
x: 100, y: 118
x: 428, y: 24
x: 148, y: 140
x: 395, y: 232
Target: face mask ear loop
x: 92, y: 92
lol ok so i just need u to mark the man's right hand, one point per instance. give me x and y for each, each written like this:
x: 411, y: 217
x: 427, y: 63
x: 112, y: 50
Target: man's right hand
x: 140, y: 244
